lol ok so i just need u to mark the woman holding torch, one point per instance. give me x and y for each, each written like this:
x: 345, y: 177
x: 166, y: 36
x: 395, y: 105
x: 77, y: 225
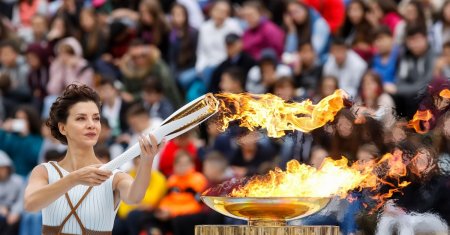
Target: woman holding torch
x: 75, y: 196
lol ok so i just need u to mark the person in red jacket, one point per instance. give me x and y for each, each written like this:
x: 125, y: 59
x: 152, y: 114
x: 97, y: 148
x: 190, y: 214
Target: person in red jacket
x: 332, y: 10
x: 167, y: 157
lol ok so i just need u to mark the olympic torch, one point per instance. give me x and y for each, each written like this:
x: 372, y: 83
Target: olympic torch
x: 183, y: 120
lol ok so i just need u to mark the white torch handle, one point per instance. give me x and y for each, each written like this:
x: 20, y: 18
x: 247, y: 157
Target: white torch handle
x: 159, y: 133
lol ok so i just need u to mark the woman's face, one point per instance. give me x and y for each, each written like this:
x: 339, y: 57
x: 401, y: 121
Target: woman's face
x: 344, y: 127
x: 252, y: 16
x: 375, y: 9
x: 411, y: 14
x: 87, y: 21
x: 355, y: 13
x: 328, y: 87
x: 369, y: 87
x: 298, y: 13
x: 146, y: 16
x: 82, y: 126
x: 178, y: 16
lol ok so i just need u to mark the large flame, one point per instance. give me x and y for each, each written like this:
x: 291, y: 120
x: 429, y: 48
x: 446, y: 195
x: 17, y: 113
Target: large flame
x: 420, y: 117
x: 333, y: 178
x: 276, y: 115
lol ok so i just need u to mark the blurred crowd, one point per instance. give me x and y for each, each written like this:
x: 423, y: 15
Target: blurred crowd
x: 146, y: 58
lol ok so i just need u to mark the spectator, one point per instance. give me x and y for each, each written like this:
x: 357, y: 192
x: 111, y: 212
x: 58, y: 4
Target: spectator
x: 386, y: 57
x: 13, y: 65
x: 23, y: 130
x: 195, y: 13
x: 346, y: 65
x: 141, y: 62
x: 305, y: 25
x: 235, y: 57
x: 307, y: 70
x: 332, y: 10
x: 375, y: 102
x: 140, y: 123
x: 153, y: 27
x: 261, y: 32
x: 38, y: 60
x: 39, y: 28
x: 120, y: 37
x: 232, y: 81
x: 211, y: 49
x: 441, y: 29
x: 155, y: 101
x: 262, y: 76
x: 327, y: 85
x: 50, y: 145
x: 114, y: 108
x: 384, y: 12
x: 216, y: 141
x: 414, y: 72
x: 442, y: 66
x: 184, y: 186
x: 357, y: 31
x: 251, y: 154
x: 414, y: 16
x: 183, y: 43
x: 92, y: 37
x: 68, y: 67
x: 11, y: 196
x: 347, y: 139
x: 167, y: 157
x: 133, y: 219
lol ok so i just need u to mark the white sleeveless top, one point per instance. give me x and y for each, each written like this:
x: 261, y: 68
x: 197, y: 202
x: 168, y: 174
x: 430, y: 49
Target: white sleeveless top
x: 96, y: 212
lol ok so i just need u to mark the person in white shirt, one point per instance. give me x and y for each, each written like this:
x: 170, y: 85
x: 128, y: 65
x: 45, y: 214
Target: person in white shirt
x: 346, y: 65
x: 211, y: 49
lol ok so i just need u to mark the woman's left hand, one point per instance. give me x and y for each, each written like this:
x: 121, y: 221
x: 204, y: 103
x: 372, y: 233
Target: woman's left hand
x: 149, y: 147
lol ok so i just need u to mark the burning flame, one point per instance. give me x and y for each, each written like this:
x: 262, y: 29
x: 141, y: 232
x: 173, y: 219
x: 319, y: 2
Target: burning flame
x: 419, y: 117
x: 276, y: 115
x: 333, y: 178
x: 445, y: 93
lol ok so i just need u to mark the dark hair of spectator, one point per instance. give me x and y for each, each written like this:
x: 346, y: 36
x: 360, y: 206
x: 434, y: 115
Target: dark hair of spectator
x: 159, y: 26
x: 136, y: 110
x: 374, y: 76
x: 10, y: 44
x: 188, y: 39
x: 107, y: 81
x: 362, y: 30
x: 413, y: 30
x: 153, y: 84
x: 304, y: 30
x: 445, y: 21
x: 236, y: 74
x: 104, y: 122
x: 338, y: 41
x: 73, y: 94
x: 33, y: 118
x: 421, y: 20
x: 257, y: 5
x: 387, y: 6
x: 382, y: 31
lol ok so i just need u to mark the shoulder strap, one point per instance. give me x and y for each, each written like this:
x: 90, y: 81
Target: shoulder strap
x: 72, y: 208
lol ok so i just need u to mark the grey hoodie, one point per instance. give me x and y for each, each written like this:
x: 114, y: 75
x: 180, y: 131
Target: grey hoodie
x: 11, y: 189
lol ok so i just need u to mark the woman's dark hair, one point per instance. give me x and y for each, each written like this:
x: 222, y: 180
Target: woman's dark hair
x: 387, y: 6
x: 441, y: 14
x: 421, y: 21
x: 159, y: 26
x: 33, y: 119
x: 73, y: 94
x: 362, y: 31
x: 304, y: 31
x: 188, y: 36
x: 377, y: 79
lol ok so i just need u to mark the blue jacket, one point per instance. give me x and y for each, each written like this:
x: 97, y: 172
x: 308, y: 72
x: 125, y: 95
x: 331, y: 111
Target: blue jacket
x: 387, y: 71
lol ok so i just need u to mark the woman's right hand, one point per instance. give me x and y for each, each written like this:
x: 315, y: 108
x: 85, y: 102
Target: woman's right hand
x: 91, y: 175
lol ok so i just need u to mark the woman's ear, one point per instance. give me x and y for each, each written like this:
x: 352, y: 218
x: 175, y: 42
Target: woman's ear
x: 62, y: 128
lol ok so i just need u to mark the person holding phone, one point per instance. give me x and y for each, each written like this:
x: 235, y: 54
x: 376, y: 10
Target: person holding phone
x: 74, y: 194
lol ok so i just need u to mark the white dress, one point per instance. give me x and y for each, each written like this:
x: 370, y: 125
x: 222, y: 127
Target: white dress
x: 96, y: 212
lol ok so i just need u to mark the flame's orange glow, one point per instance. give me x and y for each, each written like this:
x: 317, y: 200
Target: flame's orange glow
x: 445, y: 93
x: 275, y: 115
x: 333, y: 178
x: 420, y: 116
